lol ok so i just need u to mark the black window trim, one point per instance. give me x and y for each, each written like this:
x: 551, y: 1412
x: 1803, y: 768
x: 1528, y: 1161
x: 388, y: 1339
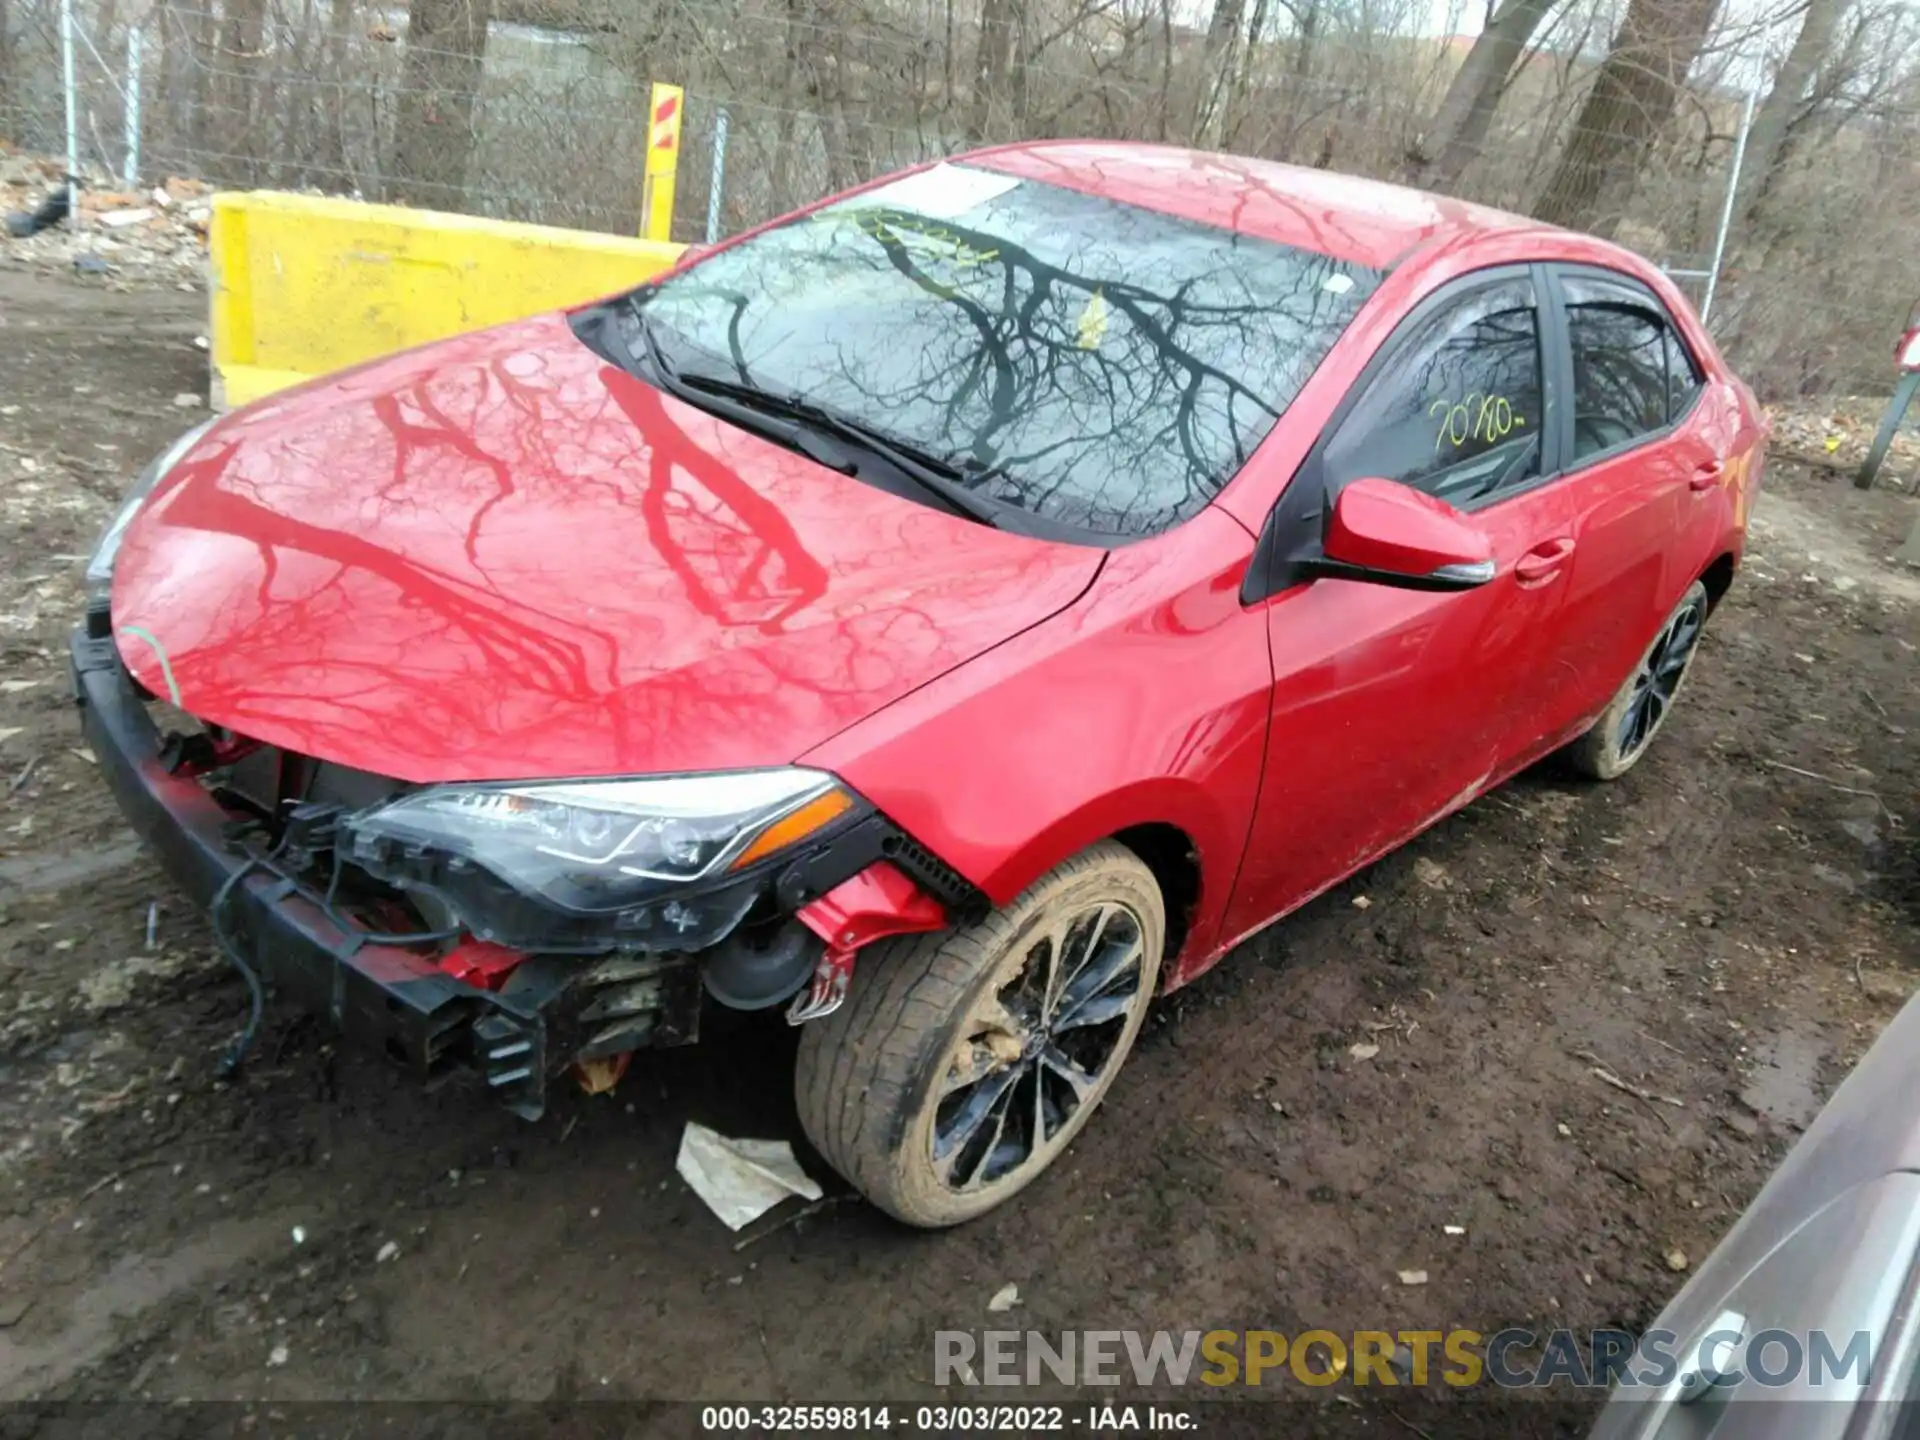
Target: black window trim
x: 1294, y: 525
x: 1634, y: 292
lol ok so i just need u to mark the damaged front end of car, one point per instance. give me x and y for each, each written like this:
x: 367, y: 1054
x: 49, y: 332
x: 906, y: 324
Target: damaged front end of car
x: 511, y: 932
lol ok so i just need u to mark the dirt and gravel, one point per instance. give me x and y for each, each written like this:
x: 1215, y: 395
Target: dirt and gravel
x: 1729, y: 927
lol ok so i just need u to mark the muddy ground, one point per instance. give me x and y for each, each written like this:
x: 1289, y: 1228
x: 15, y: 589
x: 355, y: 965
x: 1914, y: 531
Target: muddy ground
x: 1729, y: 926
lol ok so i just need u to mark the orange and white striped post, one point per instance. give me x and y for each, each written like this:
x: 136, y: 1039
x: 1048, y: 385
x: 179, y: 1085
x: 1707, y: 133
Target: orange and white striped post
x: 668, y: 105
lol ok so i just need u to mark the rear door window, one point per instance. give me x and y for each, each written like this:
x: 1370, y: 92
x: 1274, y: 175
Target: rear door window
x: 1683, y: 377
x: 1456, y: 410
x: 1632, y: 373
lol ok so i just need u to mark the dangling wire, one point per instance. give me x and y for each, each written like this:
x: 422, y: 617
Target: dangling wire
x: 375, y: 937
x: 229, y: 1066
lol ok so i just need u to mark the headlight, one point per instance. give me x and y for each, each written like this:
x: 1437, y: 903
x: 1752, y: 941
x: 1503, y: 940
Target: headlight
x: 100, y: 567
x: 666, y: 863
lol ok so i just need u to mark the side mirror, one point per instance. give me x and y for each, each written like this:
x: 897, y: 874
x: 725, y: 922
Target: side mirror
x: 1388, y: 534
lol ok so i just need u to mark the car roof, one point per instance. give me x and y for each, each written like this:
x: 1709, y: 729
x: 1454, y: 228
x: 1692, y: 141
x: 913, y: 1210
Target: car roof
x: 1365, y: 222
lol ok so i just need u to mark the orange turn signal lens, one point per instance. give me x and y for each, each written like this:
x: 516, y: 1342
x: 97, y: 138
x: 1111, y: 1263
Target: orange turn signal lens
x: 814, y: 815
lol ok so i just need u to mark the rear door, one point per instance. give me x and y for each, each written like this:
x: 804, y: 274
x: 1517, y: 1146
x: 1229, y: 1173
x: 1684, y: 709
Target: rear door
x: 1645, y: 451
x: 1392, y: 707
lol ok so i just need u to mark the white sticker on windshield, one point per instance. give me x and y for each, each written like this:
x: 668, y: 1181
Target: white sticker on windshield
x: 1337, y: 284
x: 944, y: 192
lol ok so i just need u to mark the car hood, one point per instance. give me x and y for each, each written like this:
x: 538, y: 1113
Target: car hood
x: 499, y: 557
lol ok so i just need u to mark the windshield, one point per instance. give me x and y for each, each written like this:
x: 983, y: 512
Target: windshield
x: 1093, y: 363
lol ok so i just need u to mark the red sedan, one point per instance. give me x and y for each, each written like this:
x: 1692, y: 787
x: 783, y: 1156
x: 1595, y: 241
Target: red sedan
x: 958, y: 613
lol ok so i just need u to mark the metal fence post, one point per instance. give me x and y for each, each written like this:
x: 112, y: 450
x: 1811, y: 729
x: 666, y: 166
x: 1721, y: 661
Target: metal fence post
x: 716, y: 186
x: 73, y: 114
x: 1726, y: 210
x: 130, y: 175
x: 1903, y: 394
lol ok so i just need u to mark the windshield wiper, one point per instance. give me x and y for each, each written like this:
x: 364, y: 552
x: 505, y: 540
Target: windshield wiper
x: 937, y: 475
x: 789, y: 419
x: 668, y: 377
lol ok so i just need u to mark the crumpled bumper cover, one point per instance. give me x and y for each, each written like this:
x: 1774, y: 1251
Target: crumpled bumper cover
x: 392, y: 998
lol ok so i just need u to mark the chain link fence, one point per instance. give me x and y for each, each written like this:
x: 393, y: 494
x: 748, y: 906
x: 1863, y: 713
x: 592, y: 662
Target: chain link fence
x: 537, y: 111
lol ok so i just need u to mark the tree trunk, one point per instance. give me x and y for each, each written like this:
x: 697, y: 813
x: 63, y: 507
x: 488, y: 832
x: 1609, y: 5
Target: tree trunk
x: 946, y: 64
x: 1219, y: 53
x: 164, y: 113
x: 1308, y: 20
x: 433, y: 122
x: 242, y: 43
x: 792, y: 182
x: 829, y: 98
x: 1020, y: 82
x: 1243, y: 73
x: 1632, y: 99
x: 1165, y: 108
x: 203, y: 47
x: 1767, y: 141
x: 330, y: 154
x: 992, y: 61
x: 6, y: 55
x: 1299, y: 92
x: 1459, y: 127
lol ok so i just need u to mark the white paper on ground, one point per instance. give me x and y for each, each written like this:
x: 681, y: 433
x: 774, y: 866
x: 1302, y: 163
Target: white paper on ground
x: 740, y: 1179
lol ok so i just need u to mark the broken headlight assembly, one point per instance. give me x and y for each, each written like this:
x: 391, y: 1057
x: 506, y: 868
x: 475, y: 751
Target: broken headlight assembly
x: 666, y: 863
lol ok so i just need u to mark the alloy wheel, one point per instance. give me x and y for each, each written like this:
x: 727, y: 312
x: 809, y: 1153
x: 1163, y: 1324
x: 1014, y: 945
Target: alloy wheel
x: 1036, y: 1046
x: 1659, y: 678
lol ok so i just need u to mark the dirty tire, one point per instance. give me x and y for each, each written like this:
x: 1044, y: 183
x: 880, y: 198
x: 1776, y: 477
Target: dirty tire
x: 1599, y: 754
x: 869, y: 1076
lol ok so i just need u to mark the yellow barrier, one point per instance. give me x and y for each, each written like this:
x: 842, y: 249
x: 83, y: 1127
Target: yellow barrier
x: 303, y: 285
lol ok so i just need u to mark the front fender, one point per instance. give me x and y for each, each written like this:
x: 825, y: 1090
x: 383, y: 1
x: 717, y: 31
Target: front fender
x: 1146, y: 701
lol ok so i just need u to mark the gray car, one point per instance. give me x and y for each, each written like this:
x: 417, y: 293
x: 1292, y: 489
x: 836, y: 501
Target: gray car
x: 1805, y: 1320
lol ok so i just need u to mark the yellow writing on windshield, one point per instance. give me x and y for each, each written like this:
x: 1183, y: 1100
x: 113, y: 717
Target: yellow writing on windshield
x: 1487, y: 418
x: 934, y: 241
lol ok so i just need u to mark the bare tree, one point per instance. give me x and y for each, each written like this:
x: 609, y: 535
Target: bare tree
x: 993, y: 62
x: 1861, y: 76
x: 433, y: 123
x: 242, y: 46
x: 330, y: 146
x: 1599, y: 113
x: 1219, y: 55
x: 6, y: 54
x: 1766, y: 142
x: 1459, y: 127
x: 1632, y: 100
